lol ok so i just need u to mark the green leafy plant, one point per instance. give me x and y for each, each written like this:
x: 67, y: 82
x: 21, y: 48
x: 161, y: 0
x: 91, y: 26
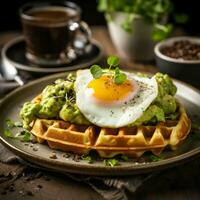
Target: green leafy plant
x: 113, y: 70
x: 153, y: 11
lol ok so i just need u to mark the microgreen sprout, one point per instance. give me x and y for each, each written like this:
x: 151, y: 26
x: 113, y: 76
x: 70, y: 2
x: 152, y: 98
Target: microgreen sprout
x: 113, y: 62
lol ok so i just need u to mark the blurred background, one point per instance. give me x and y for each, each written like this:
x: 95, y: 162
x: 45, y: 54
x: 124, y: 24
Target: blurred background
x: 9, y: 17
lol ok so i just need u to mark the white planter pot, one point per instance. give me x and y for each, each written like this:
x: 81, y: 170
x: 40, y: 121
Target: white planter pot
x: 136, y: 45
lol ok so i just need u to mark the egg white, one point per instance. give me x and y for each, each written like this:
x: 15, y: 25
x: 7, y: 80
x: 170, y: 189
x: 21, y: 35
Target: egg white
x: 115, y: 115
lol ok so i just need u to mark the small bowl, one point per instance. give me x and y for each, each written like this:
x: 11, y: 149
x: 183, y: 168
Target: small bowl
x: 186, y: 70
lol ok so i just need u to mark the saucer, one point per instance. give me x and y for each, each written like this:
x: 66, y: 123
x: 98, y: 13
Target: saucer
x: 14, y: 53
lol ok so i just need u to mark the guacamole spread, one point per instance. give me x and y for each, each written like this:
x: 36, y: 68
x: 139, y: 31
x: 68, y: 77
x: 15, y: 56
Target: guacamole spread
x: 59, y: 102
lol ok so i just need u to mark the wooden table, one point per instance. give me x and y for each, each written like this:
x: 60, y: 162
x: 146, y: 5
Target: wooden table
x: 29, y: 183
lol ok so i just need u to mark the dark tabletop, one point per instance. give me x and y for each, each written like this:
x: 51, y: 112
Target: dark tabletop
x: 17, y: 181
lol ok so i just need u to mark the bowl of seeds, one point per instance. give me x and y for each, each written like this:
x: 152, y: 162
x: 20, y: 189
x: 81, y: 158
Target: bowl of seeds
x: 180, y: 58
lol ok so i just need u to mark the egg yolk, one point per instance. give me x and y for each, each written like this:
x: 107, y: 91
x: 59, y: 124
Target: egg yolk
x: 105, y: 89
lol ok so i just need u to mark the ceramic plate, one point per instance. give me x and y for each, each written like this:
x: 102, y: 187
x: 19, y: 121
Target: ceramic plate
x: 14, y: 53
x: 11, y: 105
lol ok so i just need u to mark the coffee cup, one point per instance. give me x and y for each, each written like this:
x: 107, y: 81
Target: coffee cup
x: 51, y: 31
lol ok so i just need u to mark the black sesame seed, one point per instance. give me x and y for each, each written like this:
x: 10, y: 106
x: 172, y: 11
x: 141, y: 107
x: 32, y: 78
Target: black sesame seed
x: 35, y: 149
x: 29, y: 193
x: 12, y: 188
x: 39, y: 186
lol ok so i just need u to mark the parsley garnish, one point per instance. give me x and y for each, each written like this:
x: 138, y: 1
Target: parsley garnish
x: 124, y: 157
x: 8, y: 133
x: 113, y: 62
x: 12, y: 124
x: 24, y: 136
x: 110, y: 162
x: 156, y: 158
x: 87, y: 158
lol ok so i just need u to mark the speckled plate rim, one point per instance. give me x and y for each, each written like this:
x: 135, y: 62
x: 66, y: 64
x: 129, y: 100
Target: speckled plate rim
x: 81, y: 168
x: 50, y: 69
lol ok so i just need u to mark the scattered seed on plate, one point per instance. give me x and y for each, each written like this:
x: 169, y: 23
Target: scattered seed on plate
x: 76, y: 158
x: 39, y: 186
x: 33, y: 141
x: 22, y: 192
x: 53, y: 156
x: 66, y: 155
x: 35, y: 149
x: 11, y: 188
x: 29, y: 193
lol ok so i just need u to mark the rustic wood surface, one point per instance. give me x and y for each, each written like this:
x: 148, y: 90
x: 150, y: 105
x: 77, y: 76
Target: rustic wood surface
x: 20, y: 182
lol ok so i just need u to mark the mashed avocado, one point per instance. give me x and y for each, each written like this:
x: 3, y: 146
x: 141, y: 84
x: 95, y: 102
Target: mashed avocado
x: 29, y: 112
x: 164, y: 106
x: 70, y: 112
x: 58, y: 102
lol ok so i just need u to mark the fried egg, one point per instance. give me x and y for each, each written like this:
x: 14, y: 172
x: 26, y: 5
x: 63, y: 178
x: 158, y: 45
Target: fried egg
x: 107, y: 104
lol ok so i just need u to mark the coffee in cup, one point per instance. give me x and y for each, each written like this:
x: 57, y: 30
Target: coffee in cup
x: 50, y: 31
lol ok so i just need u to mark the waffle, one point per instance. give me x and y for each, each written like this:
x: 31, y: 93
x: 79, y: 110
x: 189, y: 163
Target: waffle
x: 108, y: 142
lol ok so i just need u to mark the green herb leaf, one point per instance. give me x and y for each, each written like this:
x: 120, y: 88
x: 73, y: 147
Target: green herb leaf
x: 113, y: 61
x: 88, y: 159
x: 8, y: 133
x: 26, y: 136
x: 110, y: 162
x: 120, y: 78
x: 117, y: 71
x: 96, y: 71
x: 12, y: 124
x: 156, y: 158
x: 124, y: 157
